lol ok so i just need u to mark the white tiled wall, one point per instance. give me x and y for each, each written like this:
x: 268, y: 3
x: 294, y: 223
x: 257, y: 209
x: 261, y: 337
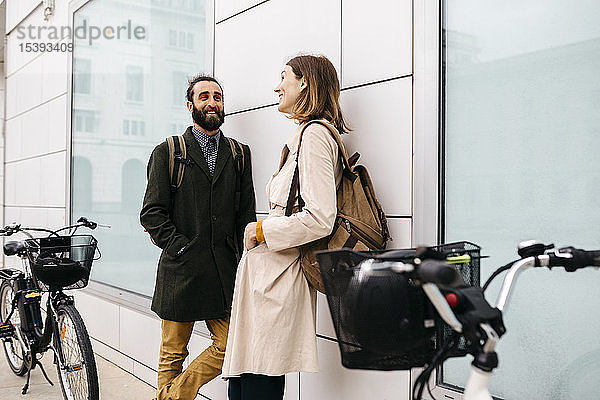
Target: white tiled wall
x: 381, y: 116
x: 371, y: 48
x: 17, y: 10
x: 227, y: 8
x: 252, y: 48
x: 335, y: 382
x: 376, y: 40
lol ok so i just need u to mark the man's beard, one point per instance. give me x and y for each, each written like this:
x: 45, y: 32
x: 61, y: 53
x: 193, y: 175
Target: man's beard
x: 208, y: 123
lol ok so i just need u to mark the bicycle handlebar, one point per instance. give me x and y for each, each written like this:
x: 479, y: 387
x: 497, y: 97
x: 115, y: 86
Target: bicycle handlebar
x: 573, y: 259
x: 13, y: 228
x: 438, y: 272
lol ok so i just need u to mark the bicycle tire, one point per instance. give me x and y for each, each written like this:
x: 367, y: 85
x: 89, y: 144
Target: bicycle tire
x: 12, y: 349
x: 78, y: 376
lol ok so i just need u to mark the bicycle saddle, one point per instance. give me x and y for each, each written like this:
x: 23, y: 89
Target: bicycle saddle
x: 14, y: 247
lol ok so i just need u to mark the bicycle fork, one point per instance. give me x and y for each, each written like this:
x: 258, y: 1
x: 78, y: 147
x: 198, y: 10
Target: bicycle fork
x: 483, y: 365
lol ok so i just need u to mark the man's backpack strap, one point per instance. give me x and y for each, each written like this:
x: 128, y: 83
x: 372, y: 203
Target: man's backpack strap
x: 177, y: 161
x: 238, y: 162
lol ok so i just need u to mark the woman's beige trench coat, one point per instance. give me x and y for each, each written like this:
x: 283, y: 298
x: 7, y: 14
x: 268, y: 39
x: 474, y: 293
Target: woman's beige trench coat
x: 273, y: 324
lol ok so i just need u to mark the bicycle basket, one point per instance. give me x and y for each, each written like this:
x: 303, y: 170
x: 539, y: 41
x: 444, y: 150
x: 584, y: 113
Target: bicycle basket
x: 383, y: 321
x: 61, y: 262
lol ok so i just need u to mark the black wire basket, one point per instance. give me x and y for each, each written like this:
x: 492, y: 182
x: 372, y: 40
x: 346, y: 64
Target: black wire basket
x: 61, y: 262
x: 382, y: 319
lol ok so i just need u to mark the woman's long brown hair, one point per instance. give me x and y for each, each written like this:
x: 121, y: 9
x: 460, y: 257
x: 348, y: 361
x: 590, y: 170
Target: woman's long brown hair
x: 321, y: 98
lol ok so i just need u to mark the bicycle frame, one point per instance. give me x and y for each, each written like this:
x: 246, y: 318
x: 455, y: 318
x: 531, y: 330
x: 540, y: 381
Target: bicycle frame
x: 34, y: 335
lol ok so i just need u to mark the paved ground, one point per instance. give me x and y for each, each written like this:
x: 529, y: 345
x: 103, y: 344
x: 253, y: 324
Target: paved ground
x: 115, y: 383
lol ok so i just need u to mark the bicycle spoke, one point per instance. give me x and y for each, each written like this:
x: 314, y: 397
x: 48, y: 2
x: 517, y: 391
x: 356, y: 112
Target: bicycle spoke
x: 74, y: 366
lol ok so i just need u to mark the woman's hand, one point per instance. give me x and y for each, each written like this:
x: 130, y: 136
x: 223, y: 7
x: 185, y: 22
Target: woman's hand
x: 250, y: 241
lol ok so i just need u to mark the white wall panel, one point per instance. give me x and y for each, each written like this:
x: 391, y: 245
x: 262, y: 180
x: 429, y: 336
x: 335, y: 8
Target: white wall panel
x: 292, y: 387
x: 381, y: 116
x: 53, y: 179
x: 38, y: 131
x: 33, y: 134
x: 252, y: 48
x: 12, y: 86
x: 139, y: 336
x: 13, y: 139
x: 265, y: 131
x: 17, y: 10
x: 24, y: 89
x: 16, y: 56
x: 42, y: 217
x: 400, y: 231
x: 101, y: 318
x: 144, y: 373
x: 19, y: 193
x: 376, y: 40
x: 57, y: 124
x: 324, y: 321
x: 12, y: 214
x: 55, y: 82
x: 227, y: 8
x: 112, y: 355
x: 335, y: 382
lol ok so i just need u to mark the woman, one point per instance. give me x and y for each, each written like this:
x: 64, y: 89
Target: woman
x: 273, y: 322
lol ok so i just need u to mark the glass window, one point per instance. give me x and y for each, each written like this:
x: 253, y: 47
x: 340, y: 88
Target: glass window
x: 82, y: 71
x: 521, y: 128
x: 126, y: 119
x: 84, y: 120
x: 135, y: 83
x: 180, y: 78
x: 172, y: 38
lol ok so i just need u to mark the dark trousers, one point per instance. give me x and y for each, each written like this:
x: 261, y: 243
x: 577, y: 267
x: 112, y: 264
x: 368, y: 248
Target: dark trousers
x: 256, y: 387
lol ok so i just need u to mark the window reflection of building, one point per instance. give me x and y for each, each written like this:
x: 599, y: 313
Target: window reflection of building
x: 179, y: 77
x: 529, y: 124
x: 82, y: 183
x: 128, y: 95
x: 84, y: 120
x: 82, y: 83
x: 132, y: 185
x: 134, y: 127
x: 134, y: 77
x: 180, y: 39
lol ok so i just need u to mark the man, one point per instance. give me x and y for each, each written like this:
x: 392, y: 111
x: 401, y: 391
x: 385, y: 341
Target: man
x: 197, y: 229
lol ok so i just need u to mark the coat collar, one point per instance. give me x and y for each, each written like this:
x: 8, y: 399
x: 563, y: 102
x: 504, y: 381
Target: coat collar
x: 223, y: 155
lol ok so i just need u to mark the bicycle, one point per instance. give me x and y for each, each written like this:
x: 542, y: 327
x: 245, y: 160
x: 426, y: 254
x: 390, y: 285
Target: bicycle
x: 50, y: 264
x: 477, y: 326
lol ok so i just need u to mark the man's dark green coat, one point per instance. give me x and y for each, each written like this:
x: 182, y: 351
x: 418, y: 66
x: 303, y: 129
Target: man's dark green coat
x: 196, y: 229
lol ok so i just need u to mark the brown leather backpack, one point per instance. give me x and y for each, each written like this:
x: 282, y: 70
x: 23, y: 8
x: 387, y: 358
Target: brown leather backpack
x: 360, y: 222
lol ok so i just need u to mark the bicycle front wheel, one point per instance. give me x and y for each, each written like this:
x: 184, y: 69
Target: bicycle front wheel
x: 77, y: 374
x: 15, y: 353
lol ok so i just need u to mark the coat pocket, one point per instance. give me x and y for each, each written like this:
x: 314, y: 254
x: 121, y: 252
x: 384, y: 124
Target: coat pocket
x: 186, y: 248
